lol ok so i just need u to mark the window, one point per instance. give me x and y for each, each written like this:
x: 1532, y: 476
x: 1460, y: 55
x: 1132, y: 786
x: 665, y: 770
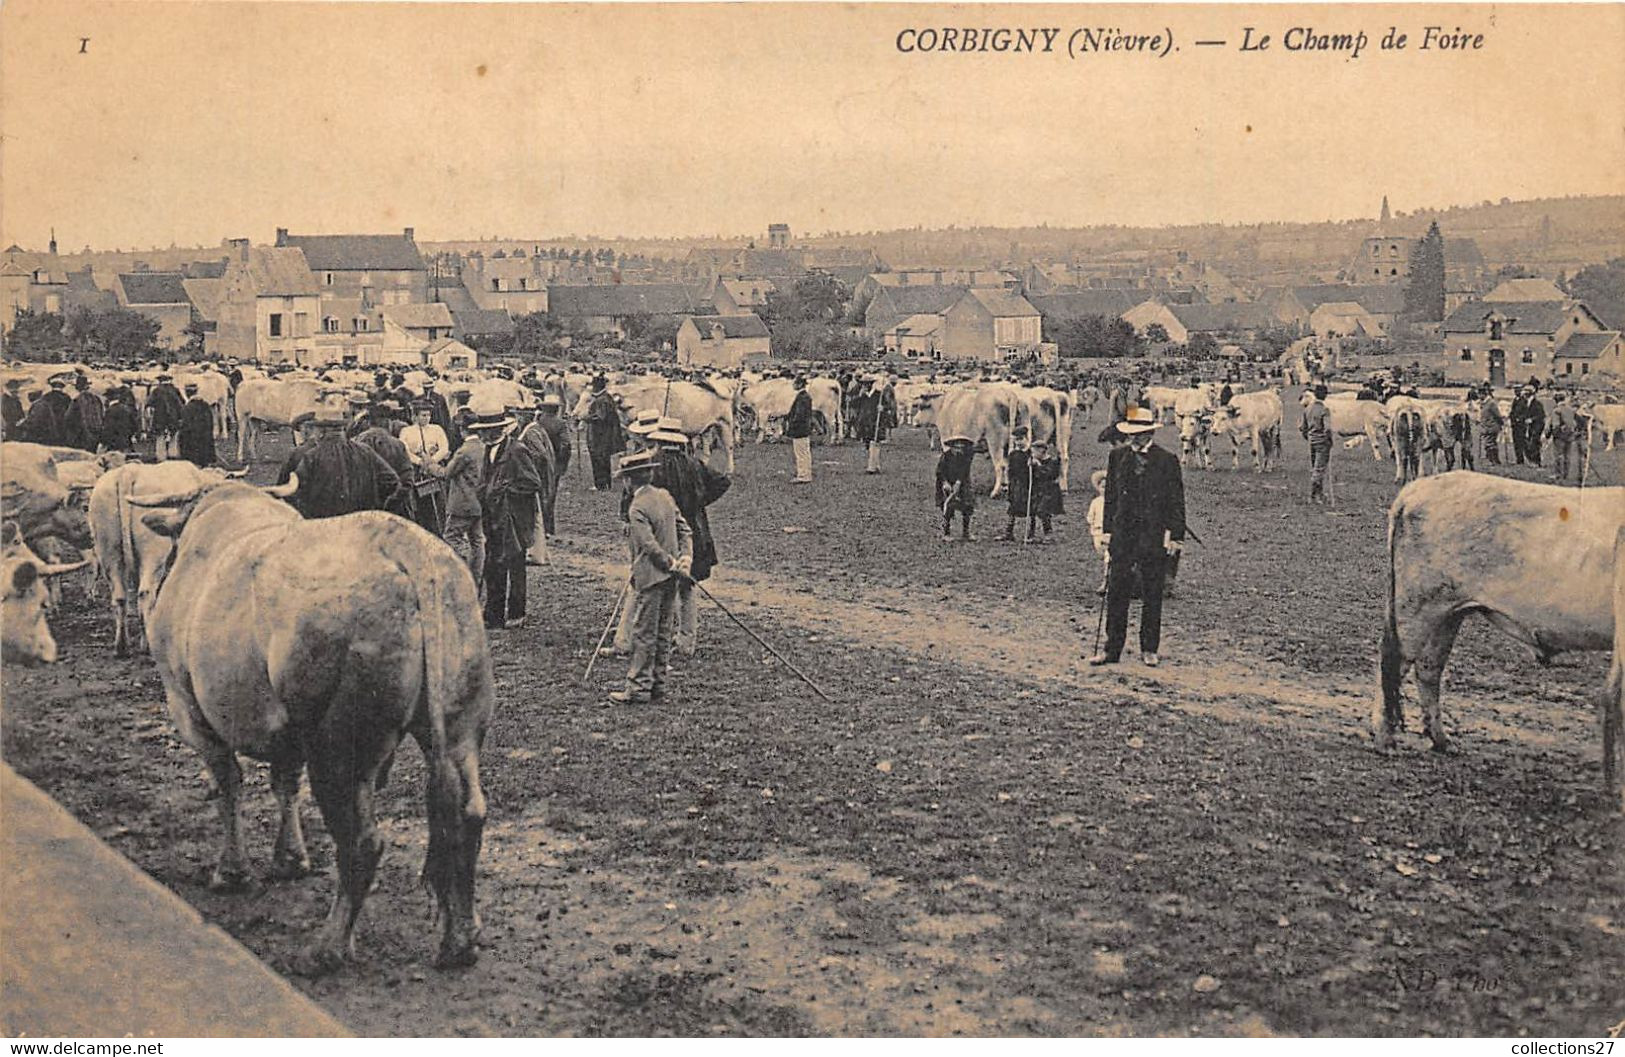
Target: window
x: 1528, y: 356
x: 1376, y: 251
x: 496, y: 284
x: 1466, y: 355
x: 524, y: 284
x: 1495, y: 330
x: 1568, y: 368
x: 328, y: 278
x: 301, y: 324
x: 361, y: 322
x: 1585, y: 368
x: 330, y: 324
x: 1393, y: 271
x: 276, y: 324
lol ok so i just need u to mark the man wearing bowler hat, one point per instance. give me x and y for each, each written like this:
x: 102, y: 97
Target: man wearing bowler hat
x: 1144, y: 523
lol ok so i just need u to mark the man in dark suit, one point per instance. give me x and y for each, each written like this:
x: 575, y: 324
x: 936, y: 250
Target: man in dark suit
x: 1144, y: 525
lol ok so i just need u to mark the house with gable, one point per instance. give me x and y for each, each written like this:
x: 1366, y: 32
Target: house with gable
x: 723, y: 341
x: 1511, y: 342
x: 268, y: 307
x: 988, y: 323
x: 161, y: 297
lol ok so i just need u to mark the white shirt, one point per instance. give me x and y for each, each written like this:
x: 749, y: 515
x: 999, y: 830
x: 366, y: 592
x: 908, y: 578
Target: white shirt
x: 425, y: 444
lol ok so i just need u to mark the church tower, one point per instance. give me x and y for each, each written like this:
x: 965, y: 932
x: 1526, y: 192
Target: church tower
x: 1386, y: 216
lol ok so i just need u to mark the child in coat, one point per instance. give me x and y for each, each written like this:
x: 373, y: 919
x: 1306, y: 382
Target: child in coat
x: 953, y: 486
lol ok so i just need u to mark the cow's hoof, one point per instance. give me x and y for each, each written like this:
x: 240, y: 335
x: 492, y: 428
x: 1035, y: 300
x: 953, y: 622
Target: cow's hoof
x: 1444, y: 747
x: 289, y: 867
x: 229, y: 880
x: 317, y: 961
x: 457, y: 956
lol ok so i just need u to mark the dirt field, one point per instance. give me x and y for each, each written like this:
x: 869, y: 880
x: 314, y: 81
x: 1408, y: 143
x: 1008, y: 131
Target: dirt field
x: 979, y: 836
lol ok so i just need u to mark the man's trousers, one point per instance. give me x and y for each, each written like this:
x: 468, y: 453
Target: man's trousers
x: 1121, y: 572
x: 654, y: 621
x: 504, y: 588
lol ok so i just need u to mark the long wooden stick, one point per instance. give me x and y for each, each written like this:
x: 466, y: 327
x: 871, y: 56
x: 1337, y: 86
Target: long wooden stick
x: 613, y: 613
x: 762, y: 642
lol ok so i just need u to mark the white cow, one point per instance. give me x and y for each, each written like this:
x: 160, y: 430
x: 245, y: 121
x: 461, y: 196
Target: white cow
x: 770, y: 400
x: 1256, y: 415
x: 978, y: 412
x: 1607, y: 422
x: 1538, y: 561
x: 1355, y: 420
x: 1047, y: 413
x: 275, y: 403
x: 117, y: 535
x: 1161, y: 399
x: 702, y: 412
x: 1195, y: 431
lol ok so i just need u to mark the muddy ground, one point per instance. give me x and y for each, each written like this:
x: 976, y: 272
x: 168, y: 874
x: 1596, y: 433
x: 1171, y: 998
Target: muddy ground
x: 978, y: 836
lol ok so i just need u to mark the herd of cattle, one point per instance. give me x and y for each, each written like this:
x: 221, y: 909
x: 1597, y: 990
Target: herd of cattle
x: 264, y: 650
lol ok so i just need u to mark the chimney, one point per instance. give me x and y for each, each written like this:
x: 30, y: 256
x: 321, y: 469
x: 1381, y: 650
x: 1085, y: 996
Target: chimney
x: 281, y: 236
x: 409, y: 233
x: 239, y: 247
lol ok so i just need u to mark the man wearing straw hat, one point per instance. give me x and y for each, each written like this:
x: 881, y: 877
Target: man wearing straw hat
x: 1144, y: 521
x: 661, y: 549
x: 508, y: 502
x: 693, y: 486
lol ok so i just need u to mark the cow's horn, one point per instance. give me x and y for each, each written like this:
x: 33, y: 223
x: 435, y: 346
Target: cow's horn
x: 282, y: 491
x: 58, y: 570
x: 172, y: 499
x: 233, y: 475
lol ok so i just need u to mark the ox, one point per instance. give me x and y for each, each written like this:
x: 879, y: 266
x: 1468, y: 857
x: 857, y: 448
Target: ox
x: 1613, y: 702
x: 1407, y: 434
x: 979, y: 412
x: 128, y: 563
x: 323, y: 644
x: 1608, y: 420
x: 35, y: 496
x: 263, y: 402
x: 1161, y: 399
x: 1047, y: 413
x: 1536, y: 560
x: 770, y: 399
x: 1450, y: 431
x: 1255, y: 415
x: 702, y: 411
x: 25, y: 637
x: 1086, y: 399
x: 1356, y: 420
x: 1195, y: 431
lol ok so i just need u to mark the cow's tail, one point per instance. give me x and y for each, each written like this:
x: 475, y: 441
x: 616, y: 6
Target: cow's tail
x: 1390, y: 715
x: 445, y: 787
x: 129, y: 575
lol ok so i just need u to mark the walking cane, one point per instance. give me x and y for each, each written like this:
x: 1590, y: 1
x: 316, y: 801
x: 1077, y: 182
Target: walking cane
x: 1027, y: 533
x: 1100, y: 619
x: 761, y: 641
x: 614, y: 612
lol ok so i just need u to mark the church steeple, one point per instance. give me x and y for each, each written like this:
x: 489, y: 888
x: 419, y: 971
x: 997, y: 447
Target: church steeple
x: 53, y: 242
x: 1385, y: 213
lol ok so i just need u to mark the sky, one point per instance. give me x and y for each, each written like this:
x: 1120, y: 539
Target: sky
x: 187, y: 123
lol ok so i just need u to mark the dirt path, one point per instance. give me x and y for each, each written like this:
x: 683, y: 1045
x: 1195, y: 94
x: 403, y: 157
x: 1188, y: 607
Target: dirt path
x: 1203, y: 676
